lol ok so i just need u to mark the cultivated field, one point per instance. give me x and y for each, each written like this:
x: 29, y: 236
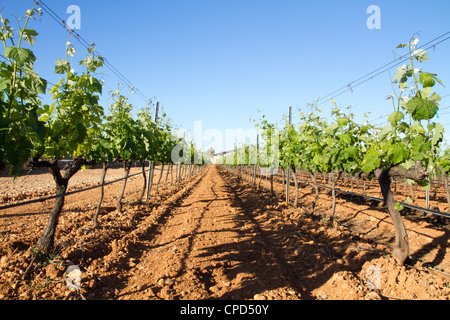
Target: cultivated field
x: 214, y: 236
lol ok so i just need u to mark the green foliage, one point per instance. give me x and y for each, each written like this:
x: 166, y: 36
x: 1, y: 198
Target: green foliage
x: 20, y: 87
x: 122, y: 133
x: 343, y: 145
x: 342, y: 151
x: 75, y: 115
x: 269, y: 143
x: 407, y: 140
x: 158, y: 138
x: 444, y: 161
x: 73, y: 124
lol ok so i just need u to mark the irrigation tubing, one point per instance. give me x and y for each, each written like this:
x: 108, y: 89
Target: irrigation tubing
x: 67, y: 193
x: 442, y: 214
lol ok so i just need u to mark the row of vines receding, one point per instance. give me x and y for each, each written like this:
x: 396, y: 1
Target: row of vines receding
x: 409, y: 147
x: 74, y: 125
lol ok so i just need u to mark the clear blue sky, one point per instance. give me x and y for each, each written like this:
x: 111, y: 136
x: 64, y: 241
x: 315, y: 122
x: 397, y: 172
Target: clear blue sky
x: 219, y: 61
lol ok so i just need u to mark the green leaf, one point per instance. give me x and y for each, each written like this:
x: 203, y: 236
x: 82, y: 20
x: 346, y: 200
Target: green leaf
x: 38, y: 127
x: 420, y: 147
x: 332, y: 129
x: 363, y: 129
x: 4, y: 82
x: 395, y: 117
x: 420, y: 55
x: 371, y: 161
x: 426, y: 79
x: 399, y: 153
x: 425, y: 184
x: 421, y: 109
x: 342, y: 121
x: 346, y: 138
x: 417, y: 128
x: 81, y: 132
x: 400, y: 75
x: 384, y: 132
x: 435, y: 97
x: 351, y: 152
x: 398, y: 206
x: 96, y: 85
x: 425, y: 91
x: 36, y: 83
x: 29, y: 35
x: 408, y: 164
x: 444, y: 164
x: 61, y: 66
x: 20, y: 55
x: 438, y: 134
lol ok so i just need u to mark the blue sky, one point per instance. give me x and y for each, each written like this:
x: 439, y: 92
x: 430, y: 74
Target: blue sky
x: 220, y: 61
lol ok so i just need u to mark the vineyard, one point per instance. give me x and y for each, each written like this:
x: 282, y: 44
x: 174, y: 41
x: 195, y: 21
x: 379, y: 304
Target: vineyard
x: 100, y: 204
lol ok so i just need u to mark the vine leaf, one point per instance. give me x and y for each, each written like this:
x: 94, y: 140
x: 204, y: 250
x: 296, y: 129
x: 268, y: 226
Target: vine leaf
x: 20, y: 55
x: 422, y: 109
x: 420, y: 55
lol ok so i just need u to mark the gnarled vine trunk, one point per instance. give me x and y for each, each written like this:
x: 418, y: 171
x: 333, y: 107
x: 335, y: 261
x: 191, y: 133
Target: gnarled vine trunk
x: 100, y: 200
x: 401, y: 246
x: 179, y: 173
x: 294, y: 170
x: 126, y: 169
x: 316, y: 190
x: 47, y: 239
x: 167, y: 174
x: 334, y: 178
x: 333, y: 195
x: 160, y: 176
x: 144, y: 186
x: 260, y: 179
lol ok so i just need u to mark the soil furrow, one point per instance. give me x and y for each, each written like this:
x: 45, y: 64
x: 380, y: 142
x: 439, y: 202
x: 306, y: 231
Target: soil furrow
x: 276, y: 251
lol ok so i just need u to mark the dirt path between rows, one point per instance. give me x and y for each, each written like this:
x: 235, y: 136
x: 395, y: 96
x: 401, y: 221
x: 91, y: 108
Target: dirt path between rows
x: 210, y: 247
x: 212, y: 237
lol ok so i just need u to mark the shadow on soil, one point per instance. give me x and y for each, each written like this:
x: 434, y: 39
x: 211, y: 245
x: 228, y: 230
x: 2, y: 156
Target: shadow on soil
x: 135, y: 247
x: 297, y: 250
x: 281, y: 251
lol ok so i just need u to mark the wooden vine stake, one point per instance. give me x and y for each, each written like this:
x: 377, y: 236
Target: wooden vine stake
x: 151, y: 164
